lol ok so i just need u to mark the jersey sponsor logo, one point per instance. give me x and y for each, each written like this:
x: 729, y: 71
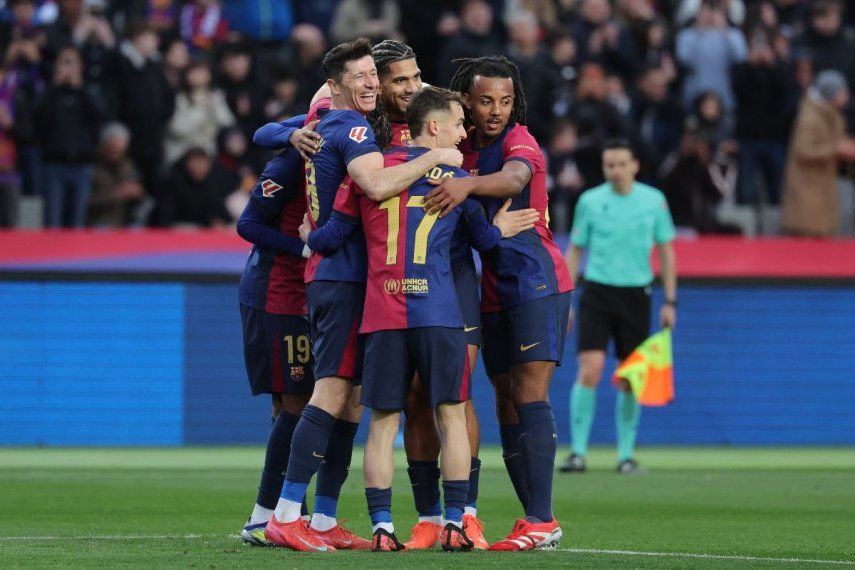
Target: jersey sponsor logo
x: 357, y: 134
x: 407, y: 286
x: 525, y: 347
x: 269, y: 188
x: 525, y: 146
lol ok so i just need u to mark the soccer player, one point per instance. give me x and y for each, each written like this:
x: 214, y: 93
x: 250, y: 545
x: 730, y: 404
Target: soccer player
x: 412, y: 318
x: 526, y: 287
x: 335, y: 293
x: 618, y: 222
x: 272, y: 297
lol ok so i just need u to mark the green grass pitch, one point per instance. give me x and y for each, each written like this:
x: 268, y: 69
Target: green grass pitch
x: 184, y: 507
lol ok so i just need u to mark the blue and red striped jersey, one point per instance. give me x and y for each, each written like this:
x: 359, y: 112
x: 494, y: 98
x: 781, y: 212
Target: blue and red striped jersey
x: 346, y: 135
x: 272, y: 279
x: 529, y: 265
x: 410, y: 283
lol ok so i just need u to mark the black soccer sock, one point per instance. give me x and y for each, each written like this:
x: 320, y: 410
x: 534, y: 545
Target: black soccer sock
x: 276, y: 459
x: 474, y: 474
x: 539, y: 443
x: 424, y: 478
x: 333, y: 471
x: 511, y: 453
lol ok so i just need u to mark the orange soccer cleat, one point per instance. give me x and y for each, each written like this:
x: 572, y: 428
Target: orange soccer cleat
x: 423, y: 536
x: 294, y: 535
x: 528, y: 536
x: 454, y: 539
x: 341, y: 538
x: 384, y: 540
x: 475, y: 531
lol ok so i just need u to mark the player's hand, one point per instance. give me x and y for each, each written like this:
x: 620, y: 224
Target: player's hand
x: 512, y: 223
x: 447, y: 196
x: 667, y: 316
x: 448, y: 156
x: 306, y: 140
x: 305, y: 228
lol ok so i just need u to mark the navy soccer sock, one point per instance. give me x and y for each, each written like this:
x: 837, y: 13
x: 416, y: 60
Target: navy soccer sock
x: 333, y: 471
x: 380, y: 507
x: 512, y: 454
x: 424, y: 478
x: 308, y: 446
x: 539, y: 443
x: 474, y: 474
x: 276, y: 459
x: 455, y: 493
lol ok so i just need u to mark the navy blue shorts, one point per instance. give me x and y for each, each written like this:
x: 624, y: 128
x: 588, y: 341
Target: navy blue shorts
x: 528, y: 332
x: 277, y: 352
x: 335, y: 313
x: 466, y: 285
x: 438, y: 354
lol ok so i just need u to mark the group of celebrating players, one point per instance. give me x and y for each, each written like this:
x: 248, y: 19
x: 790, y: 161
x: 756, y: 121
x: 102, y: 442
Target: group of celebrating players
x: 361, y: 290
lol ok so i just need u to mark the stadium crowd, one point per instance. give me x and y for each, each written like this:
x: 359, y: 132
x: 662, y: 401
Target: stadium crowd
x: 142, y: 112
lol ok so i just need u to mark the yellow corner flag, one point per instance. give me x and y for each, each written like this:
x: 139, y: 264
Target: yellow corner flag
x: 649, y: 370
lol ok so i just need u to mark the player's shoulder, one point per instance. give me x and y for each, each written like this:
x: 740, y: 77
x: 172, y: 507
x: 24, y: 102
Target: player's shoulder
x: 649, y: 193
x: 518, y: 136
x: 341, y: 125
x: 595, y: 194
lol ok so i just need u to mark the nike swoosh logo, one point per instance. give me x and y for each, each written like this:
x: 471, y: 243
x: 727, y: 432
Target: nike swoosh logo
x: 524, y: 347
x: 470, y: 329
x: 316, y: 454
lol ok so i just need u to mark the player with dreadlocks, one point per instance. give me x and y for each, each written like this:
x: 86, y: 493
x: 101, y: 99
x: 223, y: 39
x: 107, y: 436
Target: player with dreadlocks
x: 526, y: 286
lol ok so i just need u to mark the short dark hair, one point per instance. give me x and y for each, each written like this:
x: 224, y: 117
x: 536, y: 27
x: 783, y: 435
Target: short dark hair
x: 388, y: 52
x: 337, y: 57
x: 619, y: 144
x: 425, y: 101
x: 137, y: 27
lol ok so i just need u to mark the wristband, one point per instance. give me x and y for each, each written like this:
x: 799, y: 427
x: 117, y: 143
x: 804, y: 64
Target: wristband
x: 673, y: 303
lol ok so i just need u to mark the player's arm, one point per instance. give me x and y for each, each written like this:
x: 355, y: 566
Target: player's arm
x: 485, y: 235
x: 574, y: 260
x: 668, y: 270
x: 290, y: 133
x: 379, y: 183
x: 331, y: 236
x: 507, y: 183
x: 256, y: 225
x: 580, y: 237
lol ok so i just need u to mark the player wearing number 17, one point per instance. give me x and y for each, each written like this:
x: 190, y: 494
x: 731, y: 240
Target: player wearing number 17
x: 335, y: 290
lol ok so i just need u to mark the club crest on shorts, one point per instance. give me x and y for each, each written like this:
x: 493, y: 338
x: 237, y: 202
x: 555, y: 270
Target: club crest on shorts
x: 358, y: 134
x: 297, y: 373
x: 269, y: 188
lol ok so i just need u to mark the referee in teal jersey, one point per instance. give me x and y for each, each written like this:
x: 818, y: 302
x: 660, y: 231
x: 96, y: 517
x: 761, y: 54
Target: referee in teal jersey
x: 618, y: 223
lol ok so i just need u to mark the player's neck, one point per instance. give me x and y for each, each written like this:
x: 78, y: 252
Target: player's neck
x: 425, y: 141
x: 482, y: 140
x: 339, y: 105
x: 624, y: 189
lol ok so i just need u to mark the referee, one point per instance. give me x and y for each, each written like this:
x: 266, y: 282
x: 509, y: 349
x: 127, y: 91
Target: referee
x: 618, y: 222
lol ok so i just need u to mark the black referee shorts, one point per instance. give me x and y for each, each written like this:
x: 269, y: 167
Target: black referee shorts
x: 605, y: 312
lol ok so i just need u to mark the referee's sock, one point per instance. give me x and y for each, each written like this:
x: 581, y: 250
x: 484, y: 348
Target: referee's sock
x: 627, y: 414
x: 583, y: 405
x: 512, y: 454
x: 539, y: 442
x: 424, y: 478
x: 332, y: 474
x: 308, y: 446
x: 275, y: 461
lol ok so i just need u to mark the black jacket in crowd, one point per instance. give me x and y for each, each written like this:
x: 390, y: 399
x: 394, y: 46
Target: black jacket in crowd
x: 67, y: 122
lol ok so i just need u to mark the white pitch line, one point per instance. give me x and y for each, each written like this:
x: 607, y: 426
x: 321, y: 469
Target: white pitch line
x: 112, y: 537
x: 705, y: 556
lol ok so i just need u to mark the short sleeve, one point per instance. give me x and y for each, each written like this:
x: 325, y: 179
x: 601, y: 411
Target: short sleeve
x: 581, y: 234
x: 346, y: 204
x: 663, y: 227
x: 520, y: 145
x: 356, y: 139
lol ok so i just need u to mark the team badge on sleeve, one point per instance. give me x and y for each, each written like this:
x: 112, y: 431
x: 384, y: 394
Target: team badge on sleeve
x: 358, y: 134
x: 269, y: 188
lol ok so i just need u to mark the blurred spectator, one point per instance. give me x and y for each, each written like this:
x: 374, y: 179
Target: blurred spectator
x: 282, y: 102
x: 761, y: 85
x: 263, y: 21
x: 656, y: 48
x: 709, y: 120
x: 9, y: 178
x: 826, y: 41
x: 176, y: 58
x: 533, y: 62
x: 596, y: 121
x: 763, y: 19
x: 309, y: 47
x: 636, y: 16
x: 791, y: 15
x: 817, y: 146
x: 203, y: 24
x: 193, y: 194
x: 474, y: 39
x: 234, y: 167
x: 688, y: 10
x: 116, y: 187
x: 68, y: 118
x: 374, y: 19
x: 603, y: 39
x: 707, y: 51
x: 200, y: 113
x: 545, y: 11
x: 244, y: 87
x: 318, y: 13
x: 426, y: 25
x: 565, y: 180
x: 658, y: 122
x: 144, y: 100
x: 564, y: 64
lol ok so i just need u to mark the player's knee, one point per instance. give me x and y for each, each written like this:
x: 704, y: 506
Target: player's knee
x: 331, y: 395
x: 450, y: 415
x: 589, y: 374
x: 528, y: 392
